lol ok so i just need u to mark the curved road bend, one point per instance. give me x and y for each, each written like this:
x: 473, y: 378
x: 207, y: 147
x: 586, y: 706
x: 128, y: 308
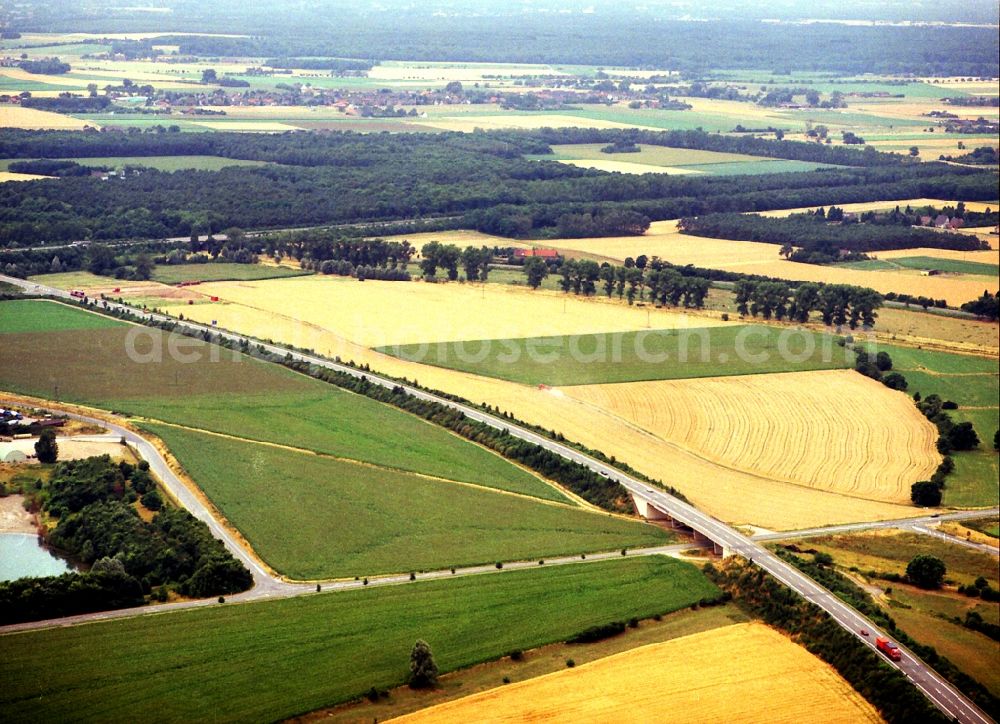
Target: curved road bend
x: 945, y: 696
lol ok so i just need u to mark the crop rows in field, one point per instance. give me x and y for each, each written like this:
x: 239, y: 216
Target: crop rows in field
x: 833, y: 430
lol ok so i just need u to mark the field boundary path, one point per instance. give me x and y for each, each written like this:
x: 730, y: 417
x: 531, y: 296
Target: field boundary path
x: 941, y: 692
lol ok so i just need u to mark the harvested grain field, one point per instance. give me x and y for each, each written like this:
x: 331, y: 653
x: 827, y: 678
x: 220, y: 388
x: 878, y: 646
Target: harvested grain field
x: 731, y: 495
x: 6, y: 176
x: 259, y: 126
x: 745, y: 672
x: 95, y: 285
x: 376, y: 313
x: 825, y: 429
x: 31, y: 118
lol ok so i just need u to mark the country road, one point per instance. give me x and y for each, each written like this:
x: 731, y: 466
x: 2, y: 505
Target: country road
x: 945, y: 696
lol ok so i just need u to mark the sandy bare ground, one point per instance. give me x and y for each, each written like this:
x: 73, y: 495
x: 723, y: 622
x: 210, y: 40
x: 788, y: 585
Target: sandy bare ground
x: 823, y: 429
x: 744, y: 672
x: 13, y: 517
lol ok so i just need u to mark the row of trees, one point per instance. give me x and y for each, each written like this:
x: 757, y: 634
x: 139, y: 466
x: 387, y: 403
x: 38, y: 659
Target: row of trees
x: 92, y: 500
x: 837, y: 304
x: 660, y: 283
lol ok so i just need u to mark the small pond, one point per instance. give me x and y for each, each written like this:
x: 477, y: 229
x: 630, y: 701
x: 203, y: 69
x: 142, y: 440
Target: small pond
x: 21, y: 555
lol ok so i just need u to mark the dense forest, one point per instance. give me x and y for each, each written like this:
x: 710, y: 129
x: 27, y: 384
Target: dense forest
x: 92, y: 501
x: 814, y: 238
x: 481, y: 179
x: 619, y: 34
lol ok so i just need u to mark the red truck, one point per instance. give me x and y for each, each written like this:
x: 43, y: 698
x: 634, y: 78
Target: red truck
x: 888, y: 648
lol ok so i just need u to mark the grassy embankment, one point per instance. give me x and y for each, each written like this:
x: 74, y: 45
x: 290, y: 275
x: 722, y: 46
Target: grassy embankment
x: 927, y: 616
x: 351, y: 519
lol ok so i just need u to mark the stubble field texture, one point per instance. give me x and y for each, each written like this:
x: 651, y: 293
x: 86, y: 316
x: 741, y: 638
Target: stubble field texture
x: 690, y: 679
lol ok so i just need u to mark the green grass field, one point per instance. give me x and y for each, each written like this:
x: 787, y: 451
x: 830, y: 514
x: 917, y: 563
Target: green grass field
x: 269, y: 661
x: 926, y: 263
x: 948, y: 265
x: 217, y: 390
x: 221, y: 272
x: 973, y: 383
x: 39, y: 316
x: 634, y: 356
x: 314, y: 517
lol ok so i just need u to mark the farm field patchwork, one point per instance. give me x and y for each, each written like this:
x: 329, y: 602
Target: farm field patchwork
x: 269, y: 661
x: 834, y: 430
x: 377, y: 313
x: 690, y: 679
x: 312, y: 517
x: 728, y: 494
x: 223, y: 392
x: 632, y: 356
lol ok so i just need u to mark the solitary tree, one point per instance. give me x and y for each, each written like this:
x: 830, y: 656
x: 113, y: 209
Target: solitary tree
x: 926, y: 494
x: 423, y: 670
x: 46, y: 448
x: 926, y: 571
x: 209, y: 75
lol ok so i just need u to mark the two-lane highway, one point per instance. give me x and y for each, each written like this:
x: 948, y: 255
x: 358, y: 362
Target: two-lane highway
x: 945, y: 696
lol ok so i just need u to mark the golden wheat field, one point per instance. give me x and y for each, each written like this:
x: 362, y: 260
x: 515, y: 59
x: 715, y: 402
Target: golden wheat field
x: 31, y: 118
x: 375, y: 313
x: 6, y: 176
x: 825, y: 429
x: 731, y: 495
x: 745, y: 672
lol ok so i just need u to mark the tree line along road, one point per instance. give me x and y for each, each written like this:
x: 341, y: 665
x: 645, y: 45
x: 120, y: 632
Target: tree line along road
x: 942, y: 693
